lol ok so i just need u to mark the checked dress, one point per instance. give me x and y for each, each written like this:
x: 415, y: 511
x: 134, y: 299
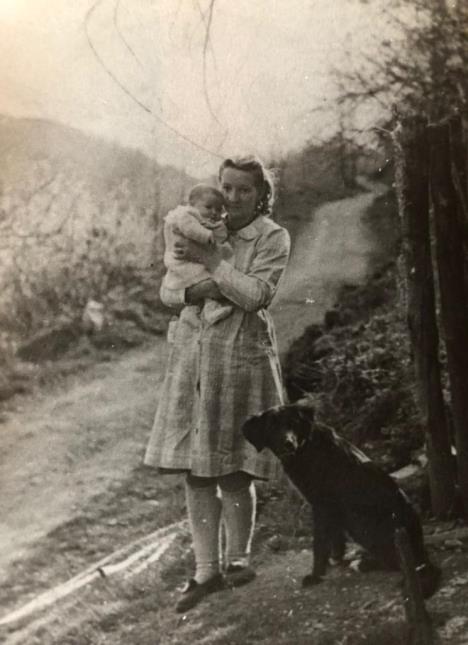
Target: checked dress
x: 219, y: 374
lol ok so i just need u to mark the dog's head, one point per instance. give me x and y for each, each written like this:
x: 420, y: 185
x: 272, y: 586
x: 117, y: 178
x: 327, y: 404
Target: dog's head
x: 282, y: 429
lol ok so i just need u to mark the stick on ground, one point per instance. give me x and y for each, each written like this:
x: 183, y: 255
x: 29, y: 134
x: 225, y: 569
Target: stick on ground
x: 419, y: 623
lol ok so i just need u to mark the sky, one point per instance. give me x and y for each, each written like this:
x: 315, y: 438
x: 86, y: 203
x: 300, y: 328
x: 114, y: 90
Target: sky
x: 142, y: 73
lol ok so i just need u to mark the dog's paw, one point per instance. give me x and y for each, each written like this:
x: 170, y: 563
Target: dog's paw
x: 364, y: 564
x: 310, y: 580
x: 357, y: 566
x: 337, y: 562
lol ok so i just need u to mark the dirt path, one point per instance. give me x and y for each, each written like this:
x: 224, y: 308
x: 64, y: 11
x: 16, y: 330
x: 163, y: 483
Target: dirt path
x: 331, y: 251
x: 64, y: 446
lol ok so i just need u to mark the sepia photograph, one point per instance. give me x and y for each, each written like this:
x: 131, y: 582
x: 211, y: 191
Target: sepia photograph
x: 233, y: 322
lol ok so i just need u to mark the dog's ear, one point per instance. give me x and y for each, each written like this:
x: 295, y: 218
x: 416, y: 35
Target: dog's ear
x: 304, y: 416
x: 305, y: 409
x: 255, y: 430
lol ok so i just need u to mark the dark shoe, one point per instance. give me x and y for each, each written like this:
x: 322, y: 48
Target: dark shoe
x: 237, y: 575
x: 194, y: 592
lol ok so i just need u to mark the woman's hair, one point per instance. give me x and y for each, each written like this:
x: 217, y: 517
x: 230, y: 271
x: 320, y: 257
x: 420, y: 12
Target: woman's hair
x: 263, y: 180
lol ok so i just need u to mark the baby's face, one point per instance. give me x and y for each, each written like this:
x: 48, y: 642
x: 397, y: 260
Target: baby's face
x: 210, y: 208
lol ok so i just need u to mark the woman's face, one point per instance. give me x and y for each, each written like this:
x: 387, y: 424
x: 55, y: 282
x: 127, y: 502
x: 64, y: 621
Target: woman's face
x: 241, y: 195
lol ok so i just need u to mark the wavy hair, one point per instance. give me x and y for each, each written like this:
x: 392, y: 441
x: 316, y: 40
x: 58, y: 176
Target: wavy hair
x: 263, y: 180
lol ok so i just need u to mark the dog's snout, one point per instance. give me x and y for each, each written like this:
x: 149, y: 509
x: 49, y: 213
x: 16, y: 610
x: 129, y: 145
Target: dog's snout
x: 290, y: 441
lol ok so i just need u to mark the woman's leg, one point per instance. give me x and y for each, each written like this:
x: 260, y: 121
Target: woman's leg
x: 204, y: 512
x: 239, y: 504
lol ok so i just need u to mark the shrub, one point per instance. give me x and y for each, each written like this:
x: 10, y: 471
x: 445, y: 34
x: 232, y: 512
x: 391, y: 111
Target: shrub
x: 51, y: 278
x: 358, y: 371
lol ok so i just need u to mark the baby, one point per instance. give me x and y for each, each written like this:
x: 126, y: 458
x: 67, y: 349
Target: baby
x: 204, y: 225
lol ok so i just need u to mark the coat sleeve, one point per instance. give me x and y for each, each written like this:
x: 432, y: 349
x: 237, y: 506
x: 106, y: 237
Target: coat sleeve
x: 255, y: 289
x: 190, y: 227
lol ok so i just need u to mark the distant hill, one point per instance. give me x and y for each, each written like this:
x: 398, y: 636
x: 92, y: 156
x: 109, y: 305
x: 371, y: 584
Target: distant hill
x: 101, y: 165
x: 78, y: 216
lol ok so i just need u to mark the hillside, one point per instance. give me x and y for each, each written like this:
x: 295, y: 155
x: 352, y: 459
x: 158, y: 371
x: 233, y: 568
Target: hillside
x: 79, y: 216
x: 26, y: 143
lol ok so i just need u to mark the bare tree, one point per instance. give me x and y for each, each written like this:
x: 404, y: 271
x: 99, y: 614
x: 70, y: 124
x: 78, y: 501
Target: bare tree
x: 422, y: 68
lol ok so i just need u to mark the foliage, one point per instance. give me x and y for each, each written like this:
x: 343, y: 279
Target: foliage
x: 421, y: 66
x: 78, y: 218
x: 358, y: 370
x: 320, y: 172
x: 41, y: 290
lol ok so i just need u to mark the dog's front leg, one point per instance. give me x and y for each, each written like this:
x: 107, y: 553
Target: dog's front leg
x: 322, y: 544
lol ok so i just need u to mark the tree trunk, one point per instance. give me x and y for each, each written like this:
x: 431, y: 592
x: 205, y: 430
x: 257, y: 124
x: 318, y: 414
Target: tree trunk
x: 458, y: 130
x: 411, y: 164
x: 451, y: 242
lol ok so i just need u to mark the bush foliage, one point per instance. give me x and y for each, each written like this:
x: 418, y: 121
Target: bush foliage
x: 79, y: 218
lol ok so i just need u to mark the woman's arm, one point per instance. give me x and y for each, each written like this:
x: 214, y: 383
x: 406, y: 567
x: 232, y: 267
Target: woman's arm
x: 178, y: 298
x: 250, y: 291
x: 202, y: 290
x: 255, y: 289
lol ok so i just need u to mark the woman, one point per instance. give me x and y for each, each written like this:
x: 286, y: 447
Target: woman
x: 218, y: 375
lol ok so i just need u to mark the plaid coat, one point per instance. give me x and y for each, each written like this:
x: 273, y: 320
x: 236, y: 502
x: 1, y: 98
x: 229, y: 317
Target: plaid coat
x: 217, y: 375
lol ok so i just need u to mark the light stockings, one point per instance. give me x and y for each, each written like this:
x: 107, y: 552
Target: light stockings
x: 204, y: 511
x: 239, y: 520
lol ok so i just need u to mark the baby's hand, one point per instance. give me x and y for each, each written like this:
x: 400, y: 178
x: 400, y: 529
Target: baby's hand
x: 211, y: 238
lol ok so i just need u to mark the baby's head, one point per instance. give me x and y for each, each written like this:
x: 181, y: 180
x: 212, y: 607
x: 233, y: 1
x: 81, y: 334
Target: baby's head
x: 208, y: 201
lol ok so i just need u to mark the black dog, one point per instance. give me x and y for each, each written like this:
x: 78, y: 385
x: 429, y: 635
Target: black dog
x: 348, y: 493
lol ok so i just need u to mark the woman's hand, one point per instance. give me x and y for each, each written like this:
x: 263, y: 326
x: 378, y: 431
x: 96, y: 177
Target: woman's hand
x: 209, y: 255
x: 205, y: 289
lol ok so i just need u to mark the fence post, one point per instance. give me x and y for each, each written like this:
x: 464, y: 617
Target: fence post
x: 412, y: 184
x: 452, y: 242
